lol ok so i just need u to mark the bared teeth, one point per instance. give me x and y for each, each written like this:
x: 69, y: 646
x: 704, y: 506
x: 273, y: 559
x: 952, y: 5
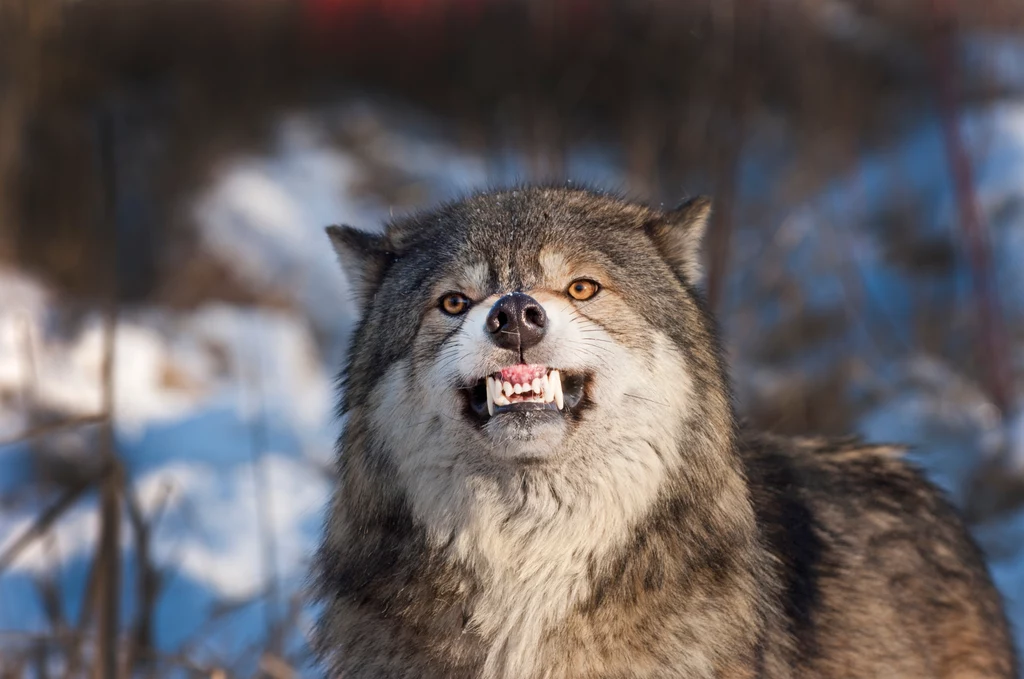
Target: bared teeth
x: 545, y: 389
x: 499, y: 397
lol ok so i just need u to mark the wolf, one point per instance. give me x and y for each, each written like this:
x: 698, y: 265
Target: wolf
x: 542, y: 475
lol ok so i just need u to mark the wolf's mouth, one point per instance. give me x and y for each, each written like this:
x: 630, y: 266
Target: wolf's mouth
x: 524, y: 387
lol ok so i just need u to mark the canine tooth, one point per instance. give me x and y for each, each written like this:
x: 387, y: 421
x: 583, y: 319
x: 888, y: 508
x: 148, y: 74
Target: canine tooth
x: 536, y: 385
x: 496, y: 394
x: 545, y: 387
x: 518, y: 388
x: 490, y: 396
x: 508, y: 389
x: 556, y: 387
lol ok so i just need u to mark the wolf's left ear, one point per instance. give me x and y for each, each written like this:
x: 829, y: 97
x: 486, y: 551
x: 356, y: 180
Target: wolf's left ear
x: 363, y: 258
x: 678, y: 233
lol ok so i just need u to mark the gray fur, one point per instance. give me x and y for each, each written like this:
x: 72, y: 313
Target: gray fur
x: 638, y: 535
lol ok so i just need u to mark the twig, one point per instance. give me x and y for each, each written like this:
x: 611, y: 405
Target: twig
x: 148, y: 579
x: 264, y: 508
x: 31, y: 386
x: 994, y: 353
x: 108, y: 552
x: 52, y: 428
x: 736, y: 102
x: 84, y: 620
x: 720, y: 238
x: 107, y: 595
x: 46, y: 519
x: 47, y: 584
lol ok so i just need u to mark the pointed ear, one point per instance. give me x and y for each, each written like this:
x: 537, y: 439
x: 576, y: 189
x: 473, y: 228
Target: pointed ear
x: 678, y: 234
x: 363, y: 258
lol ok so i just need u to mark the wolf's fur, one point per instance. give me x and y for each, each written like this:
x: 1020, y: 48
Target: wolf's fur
x: 639, y: 536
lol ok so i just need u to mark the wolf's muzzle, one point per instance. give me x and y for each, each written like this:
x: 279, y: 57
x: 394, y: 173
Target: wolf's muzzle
x: 516, y: 322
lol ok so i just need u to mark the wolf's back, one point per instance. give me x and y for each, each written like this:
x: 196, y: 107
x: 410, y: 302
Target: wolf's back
x: 879, y: 576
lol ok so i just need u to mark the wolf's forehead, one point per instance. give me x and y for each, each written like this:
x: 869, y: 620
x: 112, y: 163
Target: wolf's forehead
x: 546, y: 266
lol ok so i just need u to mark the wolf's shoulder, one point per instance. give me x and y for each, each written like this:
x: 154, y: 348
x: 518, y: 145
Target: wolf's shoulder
x: 845, y: 485
x: 829, y: 469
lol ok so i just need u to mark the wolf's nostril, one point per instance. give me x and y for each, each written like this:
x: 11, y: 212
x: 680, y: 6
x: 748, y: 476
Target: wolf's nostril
x: 535, y: 315
x: 516, y: 322
x: 496, y: 320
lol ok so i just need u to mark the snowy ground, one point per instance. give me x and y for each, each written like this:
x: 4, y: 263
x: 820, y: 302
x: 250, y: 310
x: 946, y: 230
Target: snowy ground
x: 224, y: 414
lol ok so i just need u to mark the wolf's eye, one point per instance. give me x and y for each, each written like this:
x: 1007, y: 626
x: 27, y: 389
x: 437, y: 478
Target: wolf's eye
x: 454, y: 303
x: 583, y: 289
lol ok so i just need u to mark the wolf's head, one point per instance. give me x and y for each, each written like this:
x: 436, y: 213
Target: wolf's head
x: 533, y: 332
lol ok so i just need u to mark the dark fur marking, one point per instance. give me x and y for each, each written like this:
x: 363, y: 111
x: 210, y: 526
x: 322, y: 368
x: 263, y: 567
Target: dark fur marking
x: 788, y: 525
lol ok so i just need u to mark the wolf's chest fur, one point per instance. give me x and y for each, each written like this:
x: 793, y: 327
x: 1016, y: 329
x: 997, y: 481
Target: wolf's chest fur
x: 582, y: 595
x: 546, y: 592
x: 541, y: 476
x: 530, y: 579
x: 537, y: 561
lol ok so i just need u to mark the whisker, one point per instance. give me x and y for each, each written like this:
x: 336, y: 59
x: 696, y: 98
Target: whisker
x: 649, y: 400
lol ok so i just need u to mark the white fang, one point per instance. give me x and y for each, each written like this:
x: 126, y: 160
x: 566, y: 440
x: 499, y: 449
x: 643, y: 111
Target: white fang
x: 556, y: 389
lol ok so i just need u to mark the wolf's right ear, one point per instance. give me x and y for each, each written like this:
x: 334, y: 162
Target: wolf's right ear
x: 678, y: 235
x: 363, y: 258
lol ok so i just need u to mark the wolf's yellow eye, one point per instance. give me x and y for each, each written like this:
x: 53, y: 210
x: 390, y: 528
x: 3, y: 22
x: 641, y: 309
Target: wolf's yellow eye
x: 583, y: 289
x: 454, y: 303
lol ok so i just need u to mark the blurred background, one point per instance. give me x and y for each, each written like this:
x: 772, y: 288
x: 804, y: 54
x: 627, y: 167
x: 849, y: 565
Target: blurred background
x: 172, y: 319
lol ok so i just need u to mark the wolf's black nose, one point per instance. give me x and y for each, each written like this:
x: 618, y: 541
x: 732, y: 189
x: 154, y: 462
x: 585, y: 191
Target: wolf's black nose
x: 516, y: 321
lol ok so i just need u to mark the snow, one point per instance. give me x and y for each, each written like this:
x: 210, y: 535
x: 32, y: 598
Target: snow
x: 224, y: 414
x: 22, y: 306
x: 221, y: 413
x: 943, y: 415
x: 210, y: 524
x: 267, y: 217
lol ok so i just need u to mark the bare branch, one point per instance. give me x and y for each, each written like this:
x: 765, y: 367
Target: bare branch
x: 52, y: 428
x: 993, y: 352
x: 108, y: 552
x: 734, y: 104
x: 43, y: 522
x: 148, y: 581
x: 264, y: 510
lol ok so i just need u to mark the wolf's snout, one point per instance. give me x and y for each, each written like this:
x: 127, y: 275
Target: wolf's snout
x: 516, y: 321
